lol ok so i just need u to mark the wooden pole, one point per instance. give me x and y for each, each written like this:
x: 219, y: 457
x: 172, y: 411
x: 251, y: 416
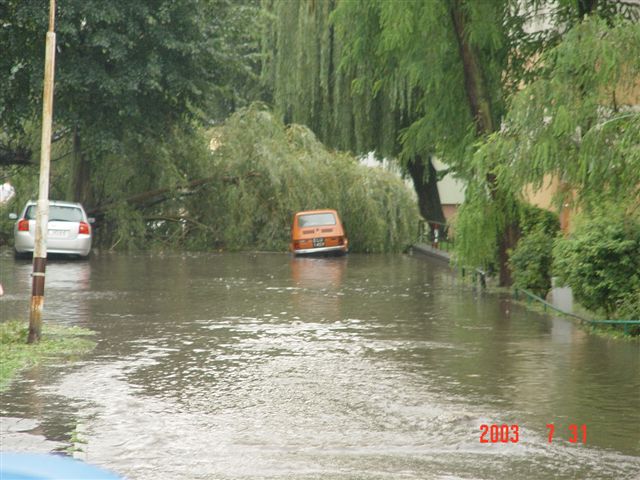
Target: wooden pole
x: 42, y: 212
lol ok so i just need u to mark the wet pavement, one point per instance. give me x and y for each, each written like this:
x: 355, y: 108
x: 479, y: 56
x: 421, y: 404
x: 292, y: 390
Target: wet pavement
x: 245, y: 366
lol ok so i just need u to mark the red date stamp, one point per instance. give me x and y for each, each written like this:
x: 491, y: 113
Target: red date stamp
x: 499, y: 433
x: 510, y: 433
x: 578, y: 433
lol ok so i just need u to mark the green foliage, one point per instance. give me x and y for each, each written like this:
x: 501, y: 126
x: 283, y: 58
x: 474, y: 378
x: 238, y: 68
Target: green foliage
x: 57, y: 341
x: 394, y: 81
x: 533, y: 219
x: 485, y: 215
x: 127, y: 75
x: 120, y: 63
x: 569, y: 122
x: 391, y: 82
x: 278, y: 171
x: 531, y: 262
x: 573, y: 122
x: 601, y: 262
x: 532, y: 258
x: 628, y: 308
x: 477, y: 228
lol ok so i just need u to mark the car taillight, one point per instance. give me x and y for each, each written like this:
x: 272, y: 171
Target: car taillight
x: 23, y: 225
x: 84, y: 228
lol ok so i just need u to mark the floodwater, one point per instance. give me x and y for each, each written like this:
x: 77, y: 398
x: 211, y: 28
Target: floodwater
x: 247, y: 366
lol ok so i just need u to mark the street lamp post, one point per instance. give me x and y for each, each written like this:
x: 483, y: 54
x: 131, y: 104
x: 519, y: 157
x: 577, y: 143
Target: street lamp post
x: 42, y: 211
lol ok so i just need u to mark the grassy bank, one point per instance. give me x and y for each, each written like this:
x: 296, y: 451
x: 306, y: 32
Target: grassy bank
x: 57, y: 343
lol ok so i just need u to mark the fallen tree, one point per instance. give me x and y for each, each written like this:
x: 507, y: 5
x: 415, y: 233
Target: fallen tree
x: 259, y: 173
x: 153, y: 197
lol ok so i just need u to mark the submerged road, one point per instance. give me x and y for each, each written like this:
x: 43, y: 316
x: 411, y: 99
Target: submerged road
x: 247, y: 366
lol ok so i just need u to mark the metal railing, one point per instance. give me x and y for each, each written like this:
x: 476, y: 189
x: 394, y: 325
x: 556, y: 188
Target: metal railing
x: 626, y: 324
x: 436, y: 234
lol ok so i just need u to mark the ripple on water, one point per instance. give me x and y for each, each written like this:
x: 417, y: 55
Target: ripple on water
x: 375, y: 367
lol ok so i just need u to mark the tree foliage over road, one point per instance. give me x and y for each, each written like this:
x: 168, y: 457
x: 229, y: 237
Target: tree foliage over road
x: 282, y: 170
x: 579, y: 120
x: 126, y: 74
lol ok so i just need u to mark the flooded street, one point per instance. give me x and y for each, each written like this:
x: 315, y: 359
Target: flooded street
x: 246, y: 366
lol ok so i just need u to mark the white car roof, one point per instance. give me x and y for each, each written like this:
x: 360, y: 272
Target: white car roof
x: 58, y: 203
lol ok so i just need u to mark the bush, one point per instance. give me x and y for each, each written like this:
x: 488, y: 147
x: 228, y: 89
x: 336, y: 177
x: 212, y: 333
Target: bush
x: 628, y: 308
x: 532, y: 258
x: 533, y: 218
x: 601, y: 263
x: 531, y: 262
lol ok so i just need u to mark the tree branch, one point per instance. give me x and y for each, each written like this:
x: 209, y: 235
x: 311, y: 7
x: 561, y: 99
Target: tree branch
x: 153, y: 197
x: 15, y: 156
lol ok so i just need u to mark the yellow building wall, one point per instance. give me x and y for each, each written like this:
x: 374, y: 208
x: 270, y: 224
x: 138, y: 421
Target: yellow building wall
x: 549, y: 197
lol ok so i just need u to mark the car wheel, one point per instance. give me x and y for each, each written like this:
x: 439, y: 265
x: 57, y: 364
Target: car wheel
x: 20, y: 255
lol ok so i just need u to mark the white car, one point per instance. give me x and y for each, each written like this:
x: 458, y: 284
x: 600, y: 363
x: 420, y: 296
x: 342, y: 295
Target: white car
x: 69, y: 229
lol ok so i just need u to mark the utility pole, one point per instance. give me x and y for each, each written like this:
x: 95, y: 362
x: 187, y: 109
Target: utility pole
x: 42, y: 211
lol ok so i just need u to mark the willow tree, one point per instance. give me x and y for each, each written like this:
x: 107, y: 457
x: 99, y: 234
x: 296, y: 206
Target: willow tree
x: 409, y: 79
x: 312, y: 82
x: 575, y: 122
x: 453, y: 63
x: 578, y: 122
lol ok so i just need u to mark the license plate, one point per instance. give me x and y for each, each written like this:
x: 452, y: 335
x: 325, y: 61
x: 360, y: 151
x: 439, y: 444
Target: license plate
x: 318, y: 242
x: 57, y: 233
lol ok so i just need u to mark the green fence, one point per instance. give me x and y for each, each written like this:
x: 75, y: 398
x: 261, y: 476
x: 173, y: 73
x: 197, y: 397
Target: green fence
x: 626, y: 324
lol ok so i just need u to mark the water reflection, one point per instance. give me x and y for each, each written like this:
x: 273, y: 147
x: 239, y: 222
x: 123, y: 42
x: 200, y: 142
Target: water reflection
x: 67, y: 290
x: 562, y: 297
x: 317, y: 288
x: 318, y: 273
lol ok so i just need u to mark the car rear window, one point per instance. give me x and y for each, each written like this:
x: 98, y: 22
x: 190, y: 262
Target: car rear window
x: 316, y: 219
x: 57, y: 214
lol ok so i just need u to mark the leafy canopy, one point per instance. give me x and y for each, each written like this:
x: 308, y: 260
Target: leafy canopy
x: 578, y: 121
x: 124, y: 66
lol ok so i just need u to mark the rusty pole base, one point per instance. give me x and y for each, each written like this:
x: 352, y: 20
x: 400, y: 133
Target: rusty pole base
x: 35, y: 319
x: 37, y: 300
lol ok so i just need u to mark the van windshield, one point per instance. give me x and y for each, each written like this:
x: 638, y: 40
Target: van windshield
x: 57, y: 214
x: 316, y: 220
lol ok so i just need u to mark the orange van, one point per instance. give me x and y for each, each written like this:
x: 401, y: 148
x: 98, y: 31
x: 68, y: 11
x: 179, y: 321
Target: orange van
x: 318, y: 232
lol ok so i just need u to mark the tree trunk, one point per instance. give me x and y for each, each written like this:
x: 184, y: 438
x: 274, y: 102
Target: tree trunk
x: 481, y: 111
x: 508, y: 241
x: 80, y: 182
x: 474, y: 81
x: 425, y: 182
x: 585, y: 7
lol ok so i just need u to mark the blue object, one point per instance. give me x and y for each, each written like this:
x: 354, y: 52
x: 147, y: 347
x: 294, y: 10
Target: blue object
x: 28, y: 466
